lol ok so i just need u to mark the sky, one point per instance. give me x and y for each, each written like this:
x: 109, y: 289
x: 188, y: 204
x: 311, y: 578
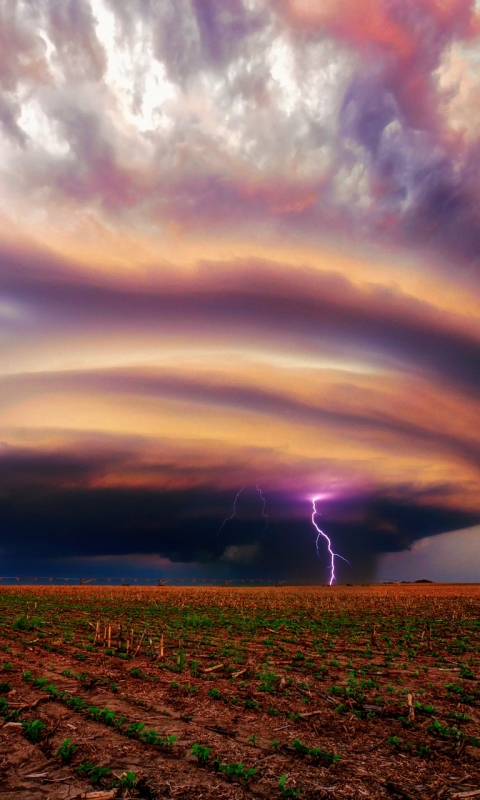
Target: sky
x: 240, y: 250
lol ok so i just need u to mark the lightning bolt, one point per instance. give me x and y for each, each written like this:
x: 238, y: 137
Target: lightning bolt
x: 262, y: 498
x: 333, y: 555
x: 232, y: 515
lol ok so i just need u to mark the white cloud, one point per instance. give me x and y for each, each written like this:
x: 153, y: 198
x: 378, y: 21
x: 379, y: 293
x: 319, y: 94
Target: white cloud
x: 41, y: 130
x: 270, y: 111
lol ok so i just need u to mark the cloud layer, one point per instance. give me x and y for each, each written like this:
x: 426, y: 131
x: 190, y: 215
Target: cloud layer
x: 238, y: 246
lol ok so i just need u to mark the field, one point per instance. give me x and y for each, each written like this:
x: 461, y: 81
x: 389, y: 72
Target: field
x: 233, y: 693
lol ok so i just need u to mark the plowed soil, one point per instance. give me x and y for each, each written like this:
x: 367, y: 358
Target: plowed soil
x: 309, y: 693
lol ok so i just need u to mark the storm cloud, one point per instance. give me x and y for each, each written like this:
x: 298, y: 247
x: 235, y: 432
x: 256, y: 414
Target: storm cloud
x: 238, y: 246
x: 54, y: 511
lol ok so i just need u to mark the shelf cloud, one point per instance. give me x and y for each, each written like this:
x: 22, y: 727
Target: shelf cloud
x: 239, y: 245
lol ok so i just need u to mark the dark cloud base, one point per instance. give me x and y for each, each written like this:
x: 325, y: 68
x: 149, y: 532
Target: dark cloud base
x: 47, y: 522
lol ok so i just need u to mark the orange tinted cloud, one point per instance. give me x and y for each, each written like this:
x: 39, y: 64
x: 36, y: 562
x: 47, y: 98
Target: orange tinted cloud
x: 387, y: 24
x: 360, y: 23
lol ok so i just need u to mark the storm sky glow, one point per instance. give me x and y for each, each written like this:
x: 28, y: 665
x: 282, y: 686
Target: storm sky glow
x: 239, y: 246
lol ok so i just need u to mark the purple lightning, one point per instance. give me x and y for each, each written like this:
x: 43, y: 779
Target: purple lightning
x: 262, y: 498
x: 329, y: 544
x: 234, y: 511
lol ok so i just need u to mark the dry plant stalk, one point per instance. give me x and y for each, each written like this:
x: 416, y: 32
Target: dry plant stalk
x: 411, y: 710
x: 240, y: 672
x: 142, y: 637
x: 212, y: 669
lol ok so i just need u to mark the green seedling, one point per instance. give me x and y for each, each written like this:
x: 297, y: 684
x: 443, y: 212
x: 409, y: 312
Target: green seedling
x: 252, y: 739
x: 459, y: 717
x: 98, y: 773
x: 134, y: 729
x: 215, y: 694
x: 76, y: 703
x: 85, y: 768
x: 149, y: 737
x: 201, y: 753
x: 167, y: 741
x: 286, y: 792
x: 251, y: 704
x: 5, y: 687
x: 424, y: 751
x: 128, y: 780
x: 107, y: 716
x: 22, y: 623
x: 394, y: 741
x: 40, y: 683
x: 33, y: 729
x: 53, y: 691
x: 441, y: 730
x: 68, y: 673
x: 136, y: 673
x: 336, y: 690
x: 27, y: 676
x: 466, y: 672
x: 238, y: 771
x: 315, y: 753
x: 425, y: 709
x: 66, y: 750
x: 298, y: 656
x: 268, y: 682
x: 94, y: 712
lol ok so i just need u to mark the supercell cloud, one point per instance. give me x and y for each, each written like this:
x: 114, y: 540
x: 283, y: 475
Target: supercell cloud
x: 239, y: 245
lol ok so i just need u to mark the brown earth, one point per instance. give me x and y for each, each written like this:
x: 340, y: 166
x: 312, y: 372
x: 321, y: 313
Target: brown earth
x: 279, y: 680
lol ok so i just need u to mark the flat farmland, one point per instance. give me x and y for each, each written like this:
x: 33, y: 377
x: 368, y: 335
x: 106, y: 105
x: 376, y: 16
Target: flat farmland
x: 234, y: 693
